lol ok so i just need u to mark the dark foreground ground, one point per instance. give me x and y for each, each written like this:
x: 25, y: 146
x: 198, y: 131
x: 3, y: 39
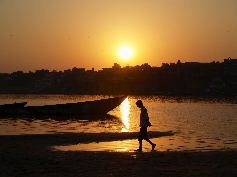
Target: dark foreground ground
x: 32, y: 155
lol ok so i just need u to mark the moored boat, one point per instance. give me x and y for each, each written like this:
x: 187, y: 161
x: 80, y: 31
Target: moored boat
x: 11, y: 108
x: 101, y: 106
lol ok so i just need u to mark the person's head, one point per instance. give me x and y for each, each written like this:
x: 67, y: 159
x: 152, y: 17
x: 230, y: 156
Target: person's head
x: 139, y: 103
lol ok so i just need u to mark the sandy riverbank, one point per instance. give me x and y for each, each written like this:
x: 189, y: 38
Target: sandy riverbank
x: 32, y: 155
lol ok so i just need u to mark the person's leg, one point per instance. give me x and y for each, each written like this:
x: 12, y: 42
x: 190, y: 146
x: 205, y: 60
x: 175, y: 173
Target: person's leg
x: 153, y: 145
x: 140, y: 144
x: 140, y: 140
x: 149, y: 141
x: 142, y: 135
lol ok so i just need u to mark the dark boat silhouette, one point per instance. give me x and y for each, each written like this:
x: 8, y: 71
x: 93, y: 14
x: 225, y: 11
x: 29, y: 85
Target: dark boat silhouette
x: 11, y: 108
x: 101, y: 106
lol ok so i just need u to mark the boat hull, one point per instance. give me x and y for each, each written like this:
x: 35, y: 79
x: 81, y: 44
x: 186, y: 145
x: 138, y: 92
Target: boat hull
x: 11, y: 108
x: 101, y: 106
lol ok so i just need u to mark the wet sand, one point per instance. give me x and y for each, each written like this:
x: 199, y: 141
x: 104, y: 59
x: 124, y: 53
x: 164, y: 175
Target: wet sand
x: 33, y: 155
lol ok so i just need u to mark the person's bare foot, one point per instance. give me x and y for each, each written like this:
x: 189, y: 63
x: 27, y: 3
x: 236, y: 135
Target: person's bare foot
x: 138, y: 150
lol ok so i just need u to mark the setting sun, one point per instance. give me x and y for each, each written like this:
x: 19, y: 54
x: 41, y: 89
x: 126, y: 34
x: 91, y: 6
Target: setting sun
x: 125, y: 52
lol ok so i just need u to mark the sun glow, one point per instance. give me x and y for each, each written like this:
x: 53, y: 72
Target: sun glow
x: 125, y: 52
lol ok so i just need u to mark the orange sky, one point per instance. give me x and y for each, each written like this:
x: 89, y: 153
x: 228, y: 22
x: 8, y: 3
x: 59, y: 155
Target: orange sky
x: 59, y: 35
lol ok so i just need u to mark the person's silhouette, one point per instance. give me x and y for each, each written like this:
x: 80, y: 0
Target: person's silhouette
x: 144, y: 123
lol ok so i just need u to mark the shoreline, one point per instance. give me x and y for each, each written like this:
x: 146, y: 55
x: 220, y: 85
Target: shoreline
x: 75, y: 138
x: 32, y: 155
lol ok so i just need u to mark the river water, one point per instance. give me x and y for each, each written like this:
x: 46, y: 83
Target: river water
x: 198, y: 123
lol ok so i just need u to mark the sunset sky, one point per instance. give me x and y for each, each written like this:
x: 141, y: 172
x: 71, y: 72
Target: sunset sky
x: 62, y: 34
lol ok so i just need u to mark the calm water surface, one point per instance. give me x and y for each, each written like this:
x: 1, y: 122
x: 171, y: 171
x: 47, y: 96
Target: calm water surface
x: 201, y: 124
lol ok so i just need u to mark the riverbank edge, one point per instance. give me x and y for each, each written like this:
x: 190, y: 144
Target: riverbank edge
x: 32, y: 155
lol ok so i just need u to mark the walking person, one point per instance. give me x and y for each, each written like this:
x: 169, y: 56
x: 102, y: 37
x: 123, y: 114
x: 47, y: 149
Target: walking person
x: 144, y: 123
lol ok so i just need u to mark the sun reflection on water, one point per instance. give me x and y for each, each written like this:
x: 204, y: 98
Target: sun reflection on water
x: 125, y: 111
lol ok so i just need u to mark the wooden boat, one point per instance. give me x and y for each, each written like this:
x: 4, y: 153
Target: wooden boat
x: 101, y: 106
x: 14, y: 105
x: 11, y: 108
